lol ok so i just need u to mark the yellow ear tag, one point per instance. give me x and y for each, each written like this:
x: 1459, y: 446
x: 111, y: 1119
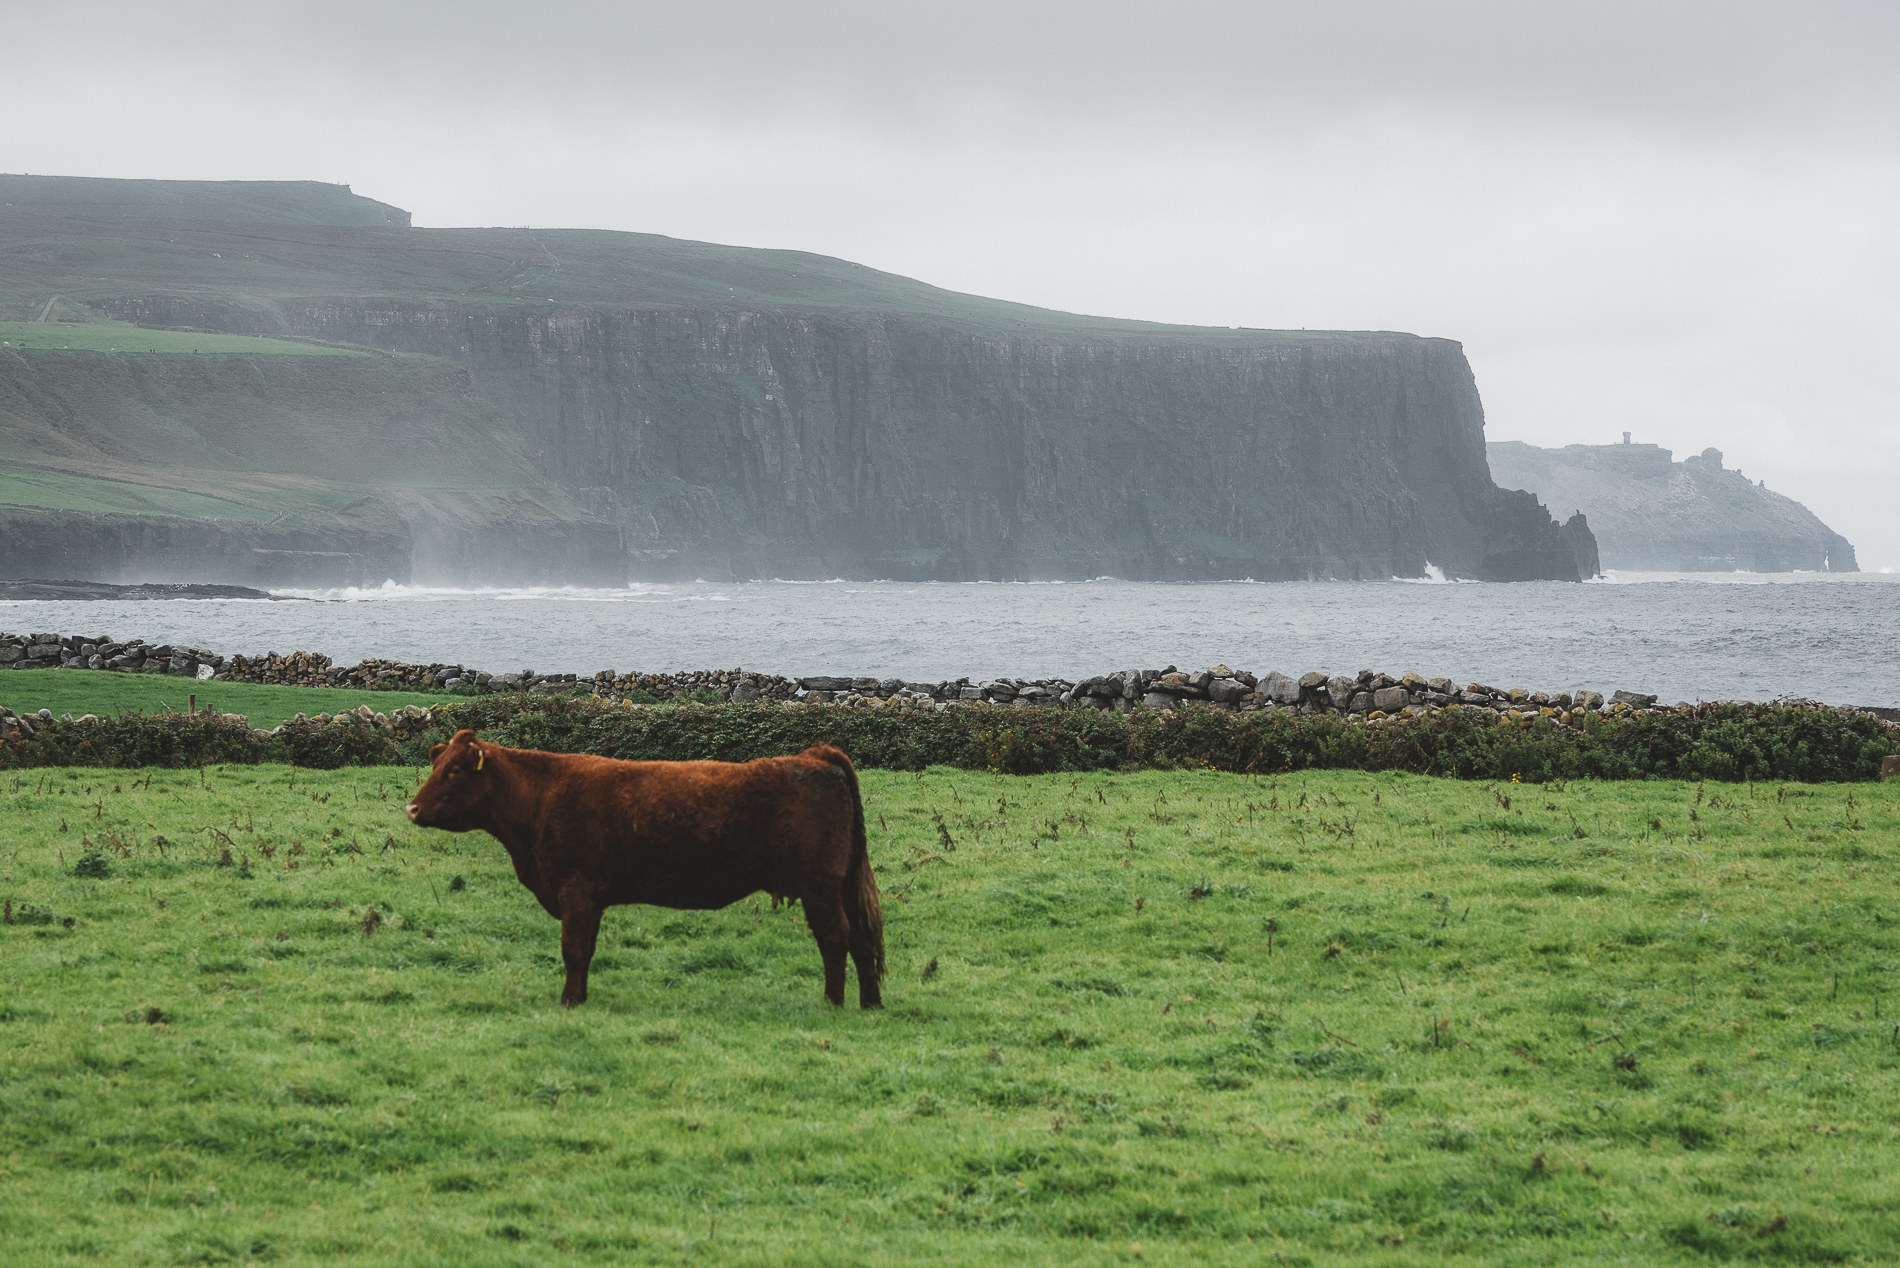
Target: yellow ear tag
x: 480, y: 757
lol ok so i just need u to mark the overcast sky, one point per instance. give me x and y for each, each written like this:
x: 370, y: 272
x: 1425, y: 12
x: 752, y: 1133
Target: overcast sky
x: 1676, y: 219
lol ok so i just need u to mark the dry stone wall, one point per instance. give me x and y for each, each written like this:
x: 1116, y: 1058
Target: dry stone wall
x: 1367, y: 696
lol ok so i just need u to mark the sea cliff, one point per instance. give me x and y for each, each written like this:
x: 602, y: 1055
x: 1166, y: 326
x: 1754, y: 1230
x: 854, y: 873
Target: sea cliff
x: 801, y: 445
x: 731, y: 412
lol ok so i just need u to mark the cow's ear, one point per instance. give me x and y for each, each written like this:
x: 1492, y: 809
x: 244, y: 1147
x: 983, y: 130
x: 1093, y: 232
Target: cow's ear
x: 436, y: 752
x: 481, y: 755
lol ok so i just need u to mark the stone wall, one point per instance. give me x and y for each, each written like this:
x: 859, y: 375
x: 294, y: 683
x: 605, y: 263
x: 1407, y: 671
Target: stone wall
x: 1367, y: 696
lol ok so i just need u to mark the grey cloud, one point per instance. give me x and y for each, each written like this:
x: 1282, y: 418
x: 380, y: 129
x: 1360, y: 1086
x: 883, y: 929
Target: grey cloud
x: 1706, y: 64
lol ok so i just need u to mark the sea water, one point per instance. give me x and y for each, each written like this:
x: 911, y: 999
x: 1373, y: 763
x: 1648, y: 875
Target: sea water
x: 1831, y: 637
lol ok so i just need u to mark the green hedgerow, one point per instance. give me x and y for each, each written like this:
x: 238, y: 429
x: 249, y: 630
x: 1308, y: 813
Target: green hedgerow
x: 1732, y: 743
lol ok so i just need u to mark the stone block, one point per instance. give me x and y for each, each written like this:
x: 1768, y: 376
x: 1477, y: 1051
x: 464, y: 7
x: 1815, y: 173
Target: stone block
x: 1226, y: 690
x: 1281, y: 689
x: 822, y: 683
x: 1390, y: 699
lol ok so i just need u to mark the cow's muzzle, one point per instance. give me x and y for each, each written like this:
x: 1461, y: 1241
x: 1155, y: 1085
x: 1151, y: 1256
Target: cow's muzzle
x: 414, y: 811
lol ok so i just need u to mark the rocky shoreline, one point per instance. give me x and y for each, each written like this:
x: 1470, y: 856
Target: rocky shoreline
x: 1366, y: 697
x: 150, y: 590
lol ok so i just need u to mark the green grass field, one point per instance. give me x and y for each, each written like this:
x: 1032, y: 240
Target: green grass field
x: 264, y: 243
x: 113, y: 336
x: 142, y: 493
x: 83, y: 691
x: 1186, y: 1018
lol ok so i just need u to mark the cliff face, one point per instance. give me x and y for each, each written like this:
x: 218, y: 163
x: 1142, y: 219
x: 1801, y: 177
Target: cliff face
x: 740, y: 413
x: 736, y: 444
x: 1654, y: 514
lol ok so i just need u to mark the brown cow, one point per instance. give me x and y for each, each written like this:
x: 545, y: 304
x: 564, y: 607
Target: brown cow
x: 588, y: 833
x: 1889, y: 766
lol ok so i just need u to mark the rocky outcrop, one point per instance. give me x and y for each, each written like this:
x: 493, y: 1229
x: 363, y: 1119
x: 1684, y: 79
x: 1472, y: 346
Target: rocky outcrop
x: 1650, y: 513
x: 98, y: 590
x: 157, y: 548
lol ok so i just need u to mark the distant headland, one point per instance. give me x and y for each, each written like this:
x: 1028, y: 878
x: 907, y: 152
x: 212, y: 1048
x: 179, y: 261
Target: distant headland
x: 1652, y: 514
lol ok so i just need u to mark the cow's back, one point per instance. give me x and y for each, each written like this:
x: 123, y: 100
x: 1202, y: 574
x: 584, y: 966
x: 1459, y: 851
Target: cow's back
x: 693, y: 834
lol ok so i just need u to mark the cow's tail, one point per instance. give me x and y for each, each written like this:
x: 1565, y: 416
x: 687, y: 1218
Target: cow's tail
x: 862, y: 905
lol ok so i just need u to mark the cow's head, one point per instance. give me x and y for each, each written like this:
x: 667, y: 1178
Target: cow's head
x: 458, y: 791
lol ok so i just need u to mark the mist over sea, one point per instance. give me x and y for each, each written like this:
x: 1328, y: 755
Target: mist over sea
x: 1684, y: 637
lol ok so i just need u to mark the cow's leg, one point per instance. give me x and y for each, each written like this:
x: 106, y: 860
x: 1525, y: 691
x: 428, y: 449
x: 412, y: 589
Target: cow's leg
x: 826, y: 919
x: 864, y: 957
x: 580, y: 925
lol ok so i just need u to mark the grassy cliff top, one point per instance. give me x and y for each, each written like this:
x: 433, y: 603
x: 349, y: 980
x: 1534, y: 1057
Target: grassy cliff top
x: 139, y: 247
x: 122, y: 337
x: 232, y: 202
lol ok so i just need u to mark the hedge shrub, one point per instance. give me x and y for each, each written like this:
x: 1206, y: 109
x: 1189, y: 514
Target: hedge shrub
x: 1722, y: 742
